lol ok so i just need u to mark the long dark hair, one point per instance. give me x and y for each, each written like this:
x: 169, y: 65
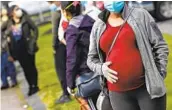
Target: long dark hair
x: 10, y: 11
x: 72, y: 7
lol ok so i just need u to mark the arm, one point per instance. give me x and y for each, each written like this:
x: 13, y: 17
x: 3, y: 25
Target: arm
x: 33, y: 27
x: 93, y: 60
x: 55, y: 20
x: 6, y: 38
x: 4, y: 26
x: 61, y: 33
x: 71, y: 60
x: 159, y: 46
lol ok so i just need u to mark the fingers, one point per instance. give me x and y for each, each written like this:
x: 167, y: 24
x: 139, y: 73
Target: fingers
x: 113, y: 76
x: 110, y: 79
x: 111, y: 71
x: 108, y: 69
x: 108, y: 63
x: 70, y: 91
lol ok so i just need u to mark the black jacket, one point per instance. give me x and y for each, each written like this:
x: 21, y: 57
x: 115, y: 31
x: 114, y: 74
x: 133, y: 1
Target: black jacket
x: 29, y: 34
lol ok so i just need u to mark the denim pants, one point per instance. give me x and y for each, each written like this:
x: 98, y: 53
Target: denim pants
x: 7, y: 69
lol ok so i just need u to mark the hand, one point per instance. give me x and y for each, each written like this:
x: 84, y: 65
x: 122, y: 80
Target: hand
x: 63, y: 41
x: 8, y: 39
x: 10, y: 59
x: 71, y: 91
x: 108, y: 73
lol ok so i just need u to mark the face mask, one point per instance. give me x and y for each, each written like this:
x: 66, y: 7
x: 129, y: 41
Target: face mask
x: 54, y: 8
x: 4, y: 12
x: 19, y: 13
x: 4, y: 18
x: 83, y: 3
x: 114, y: 6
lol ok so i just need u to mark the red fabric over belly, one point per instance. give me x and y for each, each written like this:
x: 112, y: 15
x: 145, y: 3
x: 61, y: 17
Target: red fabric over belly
x: 125, y: 57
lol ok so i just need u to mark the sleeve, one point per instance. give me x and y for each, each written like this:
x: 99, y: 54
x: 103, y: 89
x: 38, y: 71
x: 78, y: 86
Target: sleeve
x: 33, y: 27
x: 6, y: 35
x: 55, y: 20
x: 61, y: 31
x: 4, y: 26
x: 71, y: 60
x: 159, y: 46
x: 93, y: 60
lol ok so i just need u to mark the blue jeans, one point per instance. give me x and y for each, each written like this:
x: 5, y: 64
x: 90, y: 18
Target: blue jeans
x: 7, y: 69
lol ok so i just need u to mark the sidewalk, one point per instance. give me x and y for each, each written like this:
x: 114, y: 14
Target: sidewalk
x: 165, y: 26
x: 16, y: 98
x: 33, y: 101
x: 10, y: 100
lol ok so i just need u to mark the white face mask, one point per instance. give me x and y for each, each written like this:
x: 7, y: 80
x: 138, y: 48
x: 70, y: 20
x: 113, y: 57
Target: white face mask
x: 4, y: 18
x: 19, y: 13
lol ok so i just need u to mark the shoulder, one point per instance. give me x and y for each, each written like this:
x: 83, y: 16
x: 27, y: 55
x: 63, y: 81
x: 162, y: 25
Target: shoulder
x: 140, y: 13
x: 56, y: 15
x: 76, y: 21
x: 97, y: 24
x: 71, y: 29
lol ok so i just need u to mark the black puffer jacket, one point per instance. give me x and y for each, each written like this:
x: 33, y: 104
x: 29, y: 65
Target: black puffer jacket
x: 29, y: 34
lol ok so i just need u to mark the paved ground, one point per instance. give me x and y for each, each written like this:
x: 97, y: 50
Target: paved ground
x: 166, y: 26
x: 10, y: 100
x: 34, y: 100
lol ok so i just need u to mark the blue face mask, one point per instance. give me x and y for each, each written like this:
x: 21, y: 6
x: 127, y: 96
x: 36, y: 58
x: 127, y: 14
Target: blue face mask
x: 53, y: 7
x: 114, y: 6
x: 83, y: 3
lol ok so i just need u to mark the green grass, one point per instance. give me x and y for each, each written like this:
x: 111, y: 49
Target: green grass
x: 49, y: 84
x: 45, y: 14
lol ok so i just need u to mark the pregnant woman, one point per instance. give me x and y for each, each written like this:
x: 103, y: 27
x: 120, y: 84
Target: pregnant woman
x: 136, y: 65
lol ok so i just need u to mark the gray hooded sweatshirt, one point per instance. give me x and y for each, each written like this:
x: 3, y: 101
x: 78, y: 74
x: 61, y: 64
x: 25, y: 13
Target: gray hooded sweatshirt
x: 153, y: 49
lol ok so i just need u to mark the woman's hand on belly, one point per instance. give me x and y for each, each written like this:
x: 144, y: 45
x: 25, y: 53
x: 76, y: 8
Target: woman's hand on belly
x: 108, y: 73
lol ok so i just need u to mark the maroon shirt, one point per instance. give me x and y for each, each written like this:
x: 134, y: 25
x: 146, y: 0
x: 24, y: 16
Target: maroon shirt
x: 125, y: 57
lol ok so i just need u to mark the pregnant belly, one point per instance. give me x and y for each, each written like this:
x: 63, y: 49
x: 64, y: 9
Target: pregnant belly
x: 130, y: 70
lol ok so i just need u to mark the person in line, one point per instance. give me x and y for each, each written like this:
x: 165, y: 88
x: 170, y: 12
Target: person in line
x: 91, y: 9
x: 133, y: 84
x: 23, y: 35
x: 77, y: 40
x: 7, y: 65
x: 59, y: 49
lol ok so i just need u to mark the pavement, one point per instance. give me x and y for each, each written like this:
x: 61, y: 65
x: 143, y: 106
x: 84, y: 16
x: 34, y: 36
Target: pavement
x: 33, y: 101
x: 10, y: 101
x: 165, y: 26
